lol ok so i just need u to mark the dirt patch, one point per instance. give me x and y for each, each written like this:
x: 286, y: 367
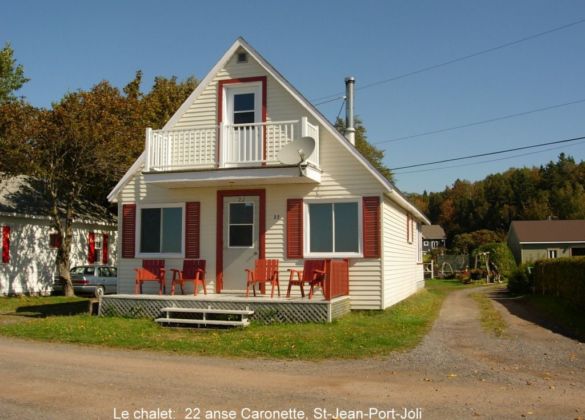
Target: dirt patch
x: 457, y: 371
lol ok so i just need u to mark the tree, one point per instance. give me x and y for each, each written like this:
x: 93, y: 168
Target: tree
x: 374, y: 155
x: 82, y: 146
x: 11, y: 76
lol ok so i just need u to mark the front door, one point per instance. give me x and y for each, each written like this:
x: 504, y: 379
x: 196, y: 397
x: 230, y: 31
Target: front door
x: 240, y: 239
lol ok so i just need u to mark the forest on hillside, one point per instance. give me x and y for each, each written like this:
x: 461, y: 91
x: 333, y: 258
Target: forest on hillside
x: 555, y: 190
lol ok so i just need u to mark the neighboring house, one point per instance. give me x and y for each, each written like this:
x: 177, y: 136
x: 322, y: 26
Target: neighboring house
x: 29, y: 243
x: 433, y: 237
x: 532, y: 240
x: 210, y: 185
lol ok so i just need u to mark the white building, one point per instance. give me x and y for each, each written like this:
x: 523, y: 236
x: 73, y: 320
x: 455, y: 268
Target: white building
x: 29, y: 243
x: 210, y: 185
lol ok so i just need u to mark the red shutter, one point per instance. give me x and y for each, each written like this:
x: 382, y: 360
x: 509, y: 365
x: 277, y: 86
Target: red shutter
x: 105, y: 240
x: 294, y: 228
x: 192, y: 229
x: 128, y: 230
x: 5, y: 244
x: 371, y: 227
x: 91, y: 248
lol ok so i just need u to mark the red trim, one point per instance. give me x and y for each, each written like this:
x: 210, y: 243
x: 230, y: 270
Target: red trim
x: 128, y: 230
x: 192, y: 229
x: 91, y: 248
x: 105, y: 240
x: 294, y: 228
x: 371, y: 227
x: 220, y: 85
x: 219, y: 230
x: 5, y: 244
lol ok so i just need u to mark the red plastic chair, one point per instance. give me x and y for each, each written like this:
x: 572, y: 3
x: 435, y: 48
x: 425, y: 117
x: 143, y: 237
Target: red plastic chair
x: 193, y: 270
x: 152, y: 270
x: 265, y: 271
x: 313, y: 273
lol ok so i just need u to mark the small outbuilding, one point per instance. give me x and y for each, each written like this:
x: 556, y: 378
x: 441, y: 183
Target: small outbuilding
x: 433, y: 237
x: 532, y: 240
x: 29, y: 242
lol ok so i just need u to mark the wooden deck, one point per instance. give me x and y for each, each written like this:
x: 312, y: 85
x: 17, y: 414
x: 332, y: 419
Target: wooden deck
x: 266, y: 310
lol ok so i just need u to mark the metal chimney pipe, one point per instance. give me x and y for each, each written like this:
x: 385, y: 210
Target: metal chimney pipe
x: 349, y: 128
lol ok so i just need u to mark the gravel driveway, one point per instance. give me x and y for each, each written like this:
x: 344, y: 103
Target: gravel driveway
x: 457, y: 372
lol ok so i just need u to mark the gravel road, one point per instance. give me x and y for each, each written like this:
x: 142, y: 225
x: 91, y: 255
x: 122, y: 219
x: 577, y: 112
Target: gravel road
x: 456, y: 372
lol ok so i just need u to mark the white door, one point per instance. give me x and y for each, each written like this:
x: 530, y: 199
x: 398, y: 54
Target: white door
x: 243, y: 118
x: 240, y: 240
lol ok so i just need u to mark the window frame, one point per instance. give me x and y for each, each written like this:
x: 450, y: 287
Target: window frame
x: 139, y: 253
x: 307, y: 228
x: 551, y: 251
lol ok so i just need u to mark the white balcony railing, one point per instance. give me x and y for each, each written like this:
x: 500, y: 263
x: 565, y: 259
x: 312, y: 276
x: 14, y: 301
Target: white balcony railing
x: 239, y: 145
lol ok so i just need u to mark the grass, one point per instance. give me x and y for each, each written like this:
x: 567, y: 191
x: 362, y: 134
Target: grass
x: 491, y: 320
x: 359, y: 334
x: 568, y: 318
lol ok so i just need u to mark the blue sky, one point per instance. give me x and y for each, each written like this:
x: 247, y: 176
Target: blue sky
x: 70, y: 45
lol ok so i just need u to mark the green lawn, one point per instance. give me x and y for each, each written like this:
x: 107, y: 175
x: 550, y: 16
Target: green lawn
x: 359, y: 334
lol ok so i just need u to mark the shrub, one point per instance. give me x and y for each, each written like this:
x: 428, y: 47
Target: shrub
x: 501, y: 255
x: 521, y: 280
x: 563, y: 277
x: 477, y: 274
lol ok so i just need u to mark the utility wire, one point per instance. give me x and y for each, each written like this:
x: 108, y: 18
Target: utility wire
x: 489, y: 120
x: 336, y: 96
x: 498, y: 152
x: 340, y: 108
x: 489, y: 160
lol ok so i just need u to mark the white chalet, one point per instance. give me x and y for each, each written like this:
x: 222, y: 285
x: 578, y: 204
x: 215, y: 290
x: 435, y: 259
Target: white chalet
x: 210, y: 185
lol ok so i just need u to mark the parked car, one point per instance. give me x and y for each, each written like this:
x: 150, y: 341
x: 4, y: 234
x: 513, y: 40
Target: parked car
x: 92, y: 280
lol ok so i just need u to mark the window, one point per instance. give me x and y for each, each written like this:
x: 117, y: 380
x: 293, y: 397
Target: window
x: 552, y: 253
x: 419, y: 242
x: 334, y: 229
x: 409, y: 228
x: 244, y: 108
x: 161, y: 230
x: 54, y: 240
x: 241, y: 225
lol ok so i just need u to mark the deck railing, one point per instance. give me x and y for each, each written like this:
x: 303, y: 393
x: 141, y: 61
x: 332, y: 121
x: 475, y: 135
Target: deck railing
x: 225, y: 145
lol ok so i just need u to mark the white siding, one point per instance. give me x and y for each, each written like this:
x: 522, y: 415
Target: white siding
x: 343, y: 176
x: 31, y: 268
x: 403, y: 275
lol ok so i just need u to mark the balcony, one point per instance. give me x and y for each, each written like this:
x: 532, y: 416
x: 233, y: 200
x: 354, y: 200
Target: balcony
x: 225, y: 146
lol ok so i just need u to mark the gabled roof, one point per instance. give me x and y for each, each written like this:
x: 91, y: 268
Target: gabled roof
x: 433, y: 232
x: 25, y: 196
x: 391, y: 190
x: 548, y: 231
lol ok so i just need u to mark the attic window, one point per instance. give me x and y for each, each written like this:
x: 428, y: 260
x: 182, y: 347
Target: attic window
x: 242, y: 57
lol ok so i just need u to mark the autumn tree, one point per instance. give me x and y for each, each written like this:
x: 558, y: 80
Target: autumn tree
x: 374, y: 155
x: 83, y: 145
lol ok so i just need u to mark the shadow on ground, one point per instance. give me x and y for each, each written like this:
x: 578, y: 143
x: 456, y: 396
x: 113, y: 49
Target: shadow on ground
x: 54, y: 309
x: 523, y: 308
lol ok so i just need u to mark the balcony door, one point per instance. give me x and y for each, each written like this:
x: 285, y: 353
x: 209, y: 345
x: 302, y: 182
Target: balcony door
x: 243, y: 132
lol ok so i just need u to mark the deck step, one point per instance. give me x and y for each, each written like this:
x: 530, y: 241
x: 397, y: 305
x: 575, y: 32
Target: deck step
x: 240, y: 323
x: 209, y: 311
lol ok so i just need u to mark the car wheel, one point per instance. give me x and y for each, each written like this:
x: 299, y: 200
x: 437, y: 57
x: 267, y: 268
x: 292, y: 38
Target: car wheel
x: 99, y: 291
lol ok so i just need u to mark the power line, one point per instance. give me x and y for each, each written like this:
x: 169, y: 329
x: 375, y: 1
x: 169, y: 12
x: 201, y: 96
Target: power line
x: 489, y: 120
x: 336, y: 96
x: 498, y: 152
x: 489, y: 160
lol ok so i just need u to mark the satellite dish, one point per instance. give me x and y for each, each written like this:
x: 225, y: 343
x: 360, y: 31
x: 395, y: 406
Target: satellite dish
x: 297, y: 151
